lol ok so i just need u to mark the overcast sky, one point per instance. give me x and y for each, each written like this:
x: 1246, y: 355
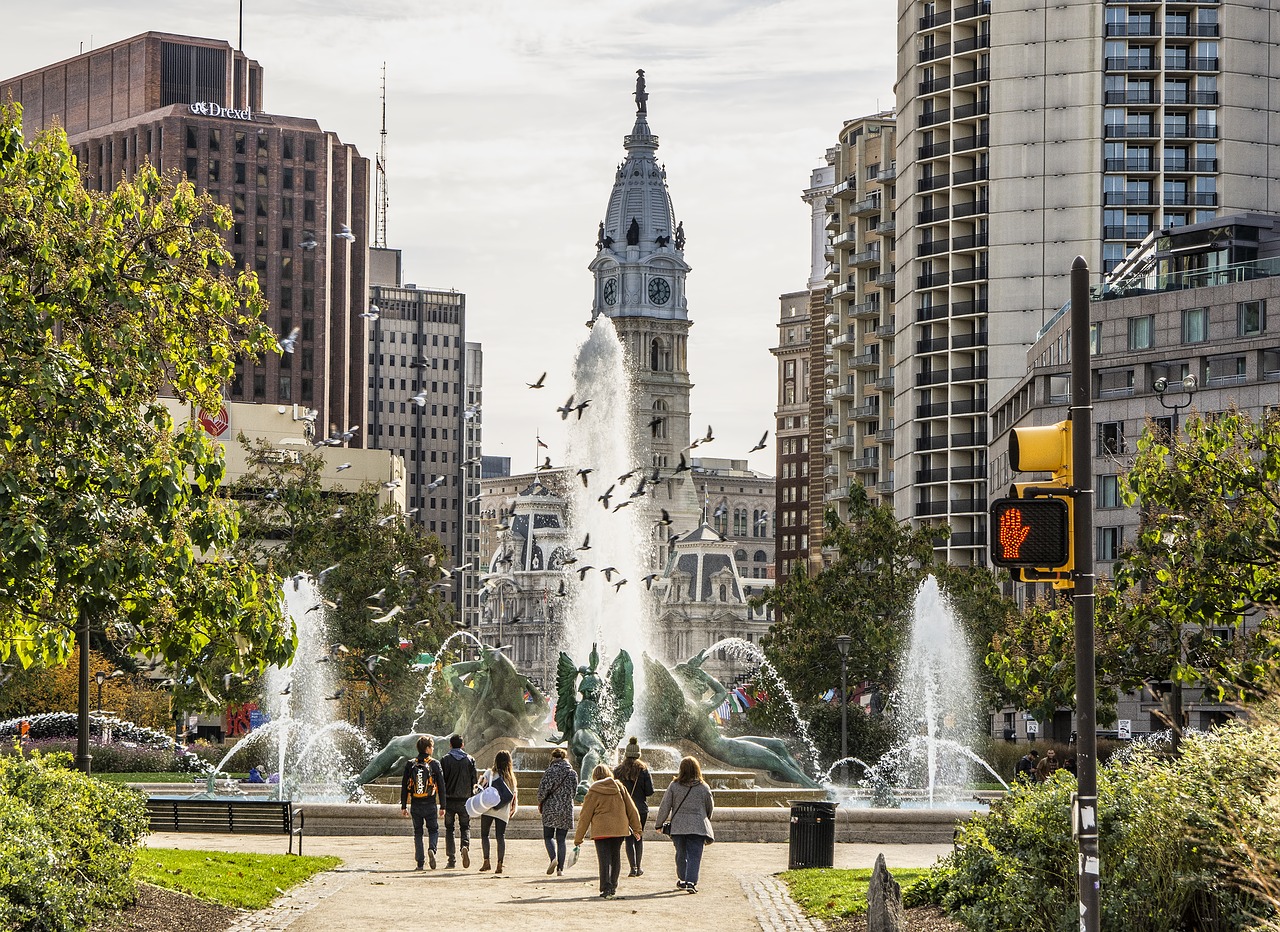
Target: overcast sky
x: 505, y: 121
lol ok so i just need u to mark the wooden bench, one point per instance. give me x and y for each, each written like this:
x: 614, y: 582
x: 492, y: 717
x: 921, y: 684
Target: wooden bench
x: 238, y: 816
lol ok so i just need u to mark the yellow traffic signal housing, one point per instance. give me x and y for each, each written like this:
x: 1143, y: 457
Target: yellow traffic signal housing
x: 1042, y: 449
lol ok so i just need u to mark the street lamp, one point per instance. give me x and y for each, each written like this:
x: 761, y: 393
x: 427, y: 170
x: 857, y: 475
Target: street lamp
x: 843, y: 642
x: 1188, y: 387
x: 101, y: 678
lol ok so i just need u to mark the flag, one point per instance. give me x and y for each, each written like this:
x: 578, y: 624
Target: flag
x: 541, y: 444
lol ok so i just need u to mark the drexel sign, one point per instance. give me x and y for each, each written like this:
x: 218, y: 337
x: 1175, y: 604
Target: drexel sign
x: 208, y: 108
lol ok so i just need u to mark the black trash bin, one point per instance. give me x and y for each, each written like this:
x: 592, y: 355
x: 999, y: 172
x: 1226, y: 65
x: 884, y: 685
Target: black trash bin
x: 813, y: 835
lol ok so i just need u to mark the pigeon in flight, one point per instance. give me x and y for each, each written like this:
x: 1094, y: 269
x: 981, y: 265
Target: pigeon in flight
x: 372, y: 313
x: 626, y: 475
x: 608, y: 572
x: 388, y: 616
x: 586, y: 542
x: 648, y: 580
x: 546, y: 464
x: 583, y: 473
x: 435, y: 483
x: 563, y: 590
x: 419, y: 363
x: 288, y: 344
x: 308, y: 241
x: 392, y: 484
x: 583, y: 570
x: 288, y: 688
x: 655, y: 424
x: 760, y: 446
x: 709, y: 437
x: 565, y: 409
x: 420, y: 399
x: 342, y: 467
x: 617, y: 587
x: 605, y: 497
x: 621, y: 505
x: 684, y: 466
x: 665, y: 520
x: 581, y: 406
x: 336, y: 696
x: 344, y: 232
x: 538, y: 384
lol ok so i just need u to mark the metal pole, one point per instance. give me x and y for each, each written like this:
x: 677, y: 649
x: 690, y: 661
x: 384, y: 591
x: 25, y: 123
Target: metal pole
x: 1085, y: 808
x: 844, y: 718
x: 84, y: 760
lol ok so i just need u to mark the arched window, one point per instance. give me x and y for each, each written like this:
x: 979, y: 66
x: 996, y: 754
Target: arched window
x: 720, y: 518
x: 740, y: 517
x: 659, y: 355
x: 659, y: 427
x: 760, y: 523
x: 760, y: 556
x: 724, y: 593
x: 740, y: 555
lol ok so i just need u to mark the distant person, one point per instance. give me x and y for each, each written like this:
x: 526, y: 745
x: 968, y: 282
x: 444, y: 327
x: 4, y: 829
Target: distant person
x: 556, y: 789
x: 503, y: 779
x: 255, y: 775
x: 687, y: 805
x: 1025, y: 771
x: 1069, y: 764
x: 634, y: 775
x: 1048, y: 766
x: 610, y: 815
x: 422, y: 797
x: 459, y: 783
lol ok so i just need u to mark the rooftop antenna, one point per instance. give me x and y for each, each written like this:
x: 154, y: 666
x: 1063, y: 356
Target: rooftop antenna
x: 240, y: 43
x: 380, y: 174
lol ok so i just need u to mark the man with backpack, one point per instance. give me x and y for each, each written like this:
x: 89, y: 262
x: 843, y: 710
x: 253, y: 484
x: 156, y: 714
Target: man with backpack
x: 459, y: 769
x: 423, y: 796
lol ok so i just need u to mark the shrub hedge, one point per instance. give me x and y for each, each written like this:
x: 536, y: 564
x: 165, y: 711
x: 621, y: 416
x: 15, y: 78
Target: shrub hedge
x: 122, y: 757
x: 1166, y: 864
x: 66, y: 844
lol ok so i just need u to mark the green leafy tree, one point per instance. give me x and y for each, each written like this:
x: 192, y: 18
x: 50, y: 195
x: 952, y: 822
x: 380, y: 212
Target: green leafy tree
x: 370, y: 562
x: 109, y: 514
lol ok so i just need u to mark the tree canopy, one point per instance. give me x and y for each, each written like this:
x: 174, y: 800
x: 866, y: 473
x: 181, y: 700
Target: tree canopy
x: 108, y: 512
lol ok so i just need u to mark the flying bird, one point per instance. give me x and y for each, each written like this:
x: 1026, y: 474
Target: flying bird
x: 760, y: 446
x: 583, y: 473
x: 565, y: 409
x: 626, y: 476
x: 709, y: 437
x: 546, y: 464
x: 583, y: 570
x: 665, y: 520
x: 308, y: 241
x: 392, y: 484
x: 655, y: 424
x: 420, y: 399
x: 372, y: 313
x: 344, y: 232
x: 471, y: 412
x: 586, y: 542
x: 605, y: 497
x: 563, y: 590
x: 684, y: 466
x: 388, y: 616
x: 621, y: 505
x: 342, y: 467
x: 435, y: 483
x: 640, y: 489
x: 581, y: 406
x: 538, y: 384
x: 336, y: 696
x: 608, y: 572
x: 288, y: 344
x: 648, y: 580
x: 288, y: 688
x: 617, y: 587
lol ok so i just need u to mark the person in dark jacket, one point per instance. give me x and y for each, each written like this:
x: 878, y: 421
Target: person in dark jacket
x: 688, y: 805
x: 634, y: 775
x: 422, y: 796
x: 459, y: 783
x: 556, y: 790
x: 1025, y: 771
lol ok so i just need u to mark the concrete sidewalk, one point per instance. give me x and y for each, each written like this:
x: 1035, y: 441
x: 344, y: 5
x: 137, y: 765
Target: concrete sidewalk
x: 375, y: 888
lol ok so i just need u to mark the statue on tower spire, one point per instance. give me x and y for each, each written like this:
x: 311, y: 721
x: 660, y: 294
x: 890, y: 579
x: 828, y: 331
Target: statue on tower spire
x: 641, y: 96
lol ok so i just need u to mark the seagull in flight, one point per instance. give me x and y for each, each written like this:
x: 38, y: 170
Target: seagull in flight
x: 435, y: 483
x: 288, y: 343
x: 538, y: 384
x: 336, y: 696
x: 388, y: 616
x: 760, y: 446
x: 621, y: 505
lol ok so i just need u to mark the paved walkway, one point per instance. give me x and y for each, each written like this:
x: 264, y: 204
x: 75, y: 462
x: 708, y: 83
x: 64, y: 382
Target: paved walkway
x: 373, y: 890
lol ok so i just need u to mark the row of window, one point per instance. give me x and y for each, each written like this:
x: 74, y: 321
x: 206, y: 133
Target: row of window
x: 379, y: 360
x: 243, y: 143
x: 239, y: 174
x: 389, y: 336
x: 1251, y: 320
x: 790, y: 541
x: 306, y: 390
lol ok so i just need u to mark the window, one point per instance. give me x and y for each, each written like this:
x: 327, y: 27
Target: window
x: 240, y: 143
x: 1110, y: 437
x: 1095, y: 339
x: 1251, y: 318
x: 1195, y: 325
x: 1140, y: 332
x: 309, y: 150
x: 1109, y: 539
x: 286, y: 179
x: 1109, y: 491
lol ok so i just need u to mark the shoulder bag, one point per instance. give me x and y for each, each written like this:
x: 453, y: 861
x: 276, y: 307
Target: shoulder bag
x: 665, y: 827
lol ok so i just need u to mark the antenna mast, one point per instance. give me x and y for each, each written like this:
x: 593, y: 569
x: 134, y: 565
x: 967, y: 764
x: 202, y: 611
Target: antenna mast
x: 380, y: 176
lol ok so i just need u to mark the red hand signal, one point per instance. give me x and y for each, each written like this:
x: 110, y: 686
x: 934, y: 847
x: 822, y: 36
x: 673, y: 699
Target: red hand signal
x: 1012, y: 532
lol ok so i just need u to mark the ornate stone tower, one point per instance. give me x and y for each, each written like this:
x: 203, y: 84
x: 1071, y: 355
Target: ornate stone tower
x: 640, y: 271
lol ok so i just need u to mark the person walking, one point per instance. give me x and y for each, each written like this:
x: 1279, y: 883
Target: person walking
x: 685, y: 815
x: 422, y: 797
x: 503, y: 779
x: 1025, y: 771
x: 634, y: 775
x: 459, y: 770
x: 556, y: 789
x: 1048, y: 766
x: 610, y: 815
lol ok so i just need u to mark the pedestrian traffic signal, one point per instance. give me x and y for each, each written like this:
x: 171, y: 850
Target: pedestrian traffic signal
x: 1031, y: 532
x: 1042, y: 449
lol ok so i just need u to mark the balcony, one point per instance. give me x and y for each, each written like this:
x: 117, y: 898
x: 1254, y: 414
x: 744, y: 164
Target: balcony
x: 867, y: 462
x: 884, y: 383
x: 837, y: 494
x: 966, y: 308
x: 933, y: 117
x: 934, y: 52
x: 968, y: 506
x: 847, y: 238
x: 844, y: 288
x: 936, y: 280
x: 931, y: 248
x: 1136, y: 29
x: 934, y: 150
x: 970, y: 208
x: 927, y: 476
x: 974, y: 241
x: 932, y: 346
x: 967, y: 340
x: 933, y: 20
x: 868, y: 359
x: 884, y: 435
x: 962, y: 473
x: 1191, y: 131
x: 968, y: 539
x: 886, y: 279
x: 977, y: 438
x: 886, y: 331
x: 980, y: 41
x: 831, y: 420
x: 844, y: 442
x: 969, y: 11
x: 848, y: 338
x: 932, y: 410
x: 1146, y: 130
x: 867, y: 411
x: 970, y: 175
x: 933, y: 312
x: 867, y: 257
x: 931, y: 183
x: 976, y: 141
x: 971, y: 77
x: 1131, y: 63
x: 864, y: 310
x: 887, y: 228
x: 1143, y: 96
x: 1132, y: 165
x: 847, y: 390
x: 934, y: 377
x: 1178, y: 63
x: 933, y: 215
x: 847, y: 188
x: 1191, y: 98
x: 885, y: 487
x: 870, y: 205
x: 1129, y: 198
x: 833, y: 221
x: 1197, y: 30
x: 831, y: 471
x: 974, y: 274
x: 977, y: 108
x: 929, y: 509
x: 1190, y: 199
x: 1126, y: 232
x: 831, y: 370
x: 1190, y: 166
x: 968, y: 373
x: 937, y: 84
x: 885, y: 175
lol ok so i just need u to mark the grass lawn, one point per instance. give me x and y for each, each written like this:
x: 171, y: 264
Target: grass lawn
x: 187, y: 778
x: 245, y: 881
x: 829, y: 893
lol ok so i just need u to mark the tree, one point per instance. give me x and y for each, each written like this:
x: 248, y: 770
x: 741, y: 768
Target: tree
x: 1197, y: 590
x: 369, y: 561
x: 109, y: 515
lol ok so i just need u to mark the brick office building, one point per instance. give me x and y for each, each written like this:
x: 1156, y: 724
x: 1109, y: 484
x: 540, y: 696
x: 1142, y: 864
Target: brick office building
x: 298, y: 195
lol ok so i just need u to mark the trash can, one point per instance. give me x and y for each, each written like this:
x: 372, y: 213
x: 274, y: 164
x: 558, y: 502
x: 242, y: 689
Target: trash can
x: 813, y: 835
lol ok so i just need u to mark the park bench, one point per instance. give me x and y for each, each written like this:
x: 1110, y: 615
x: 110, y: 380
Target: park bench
x: 238, y: 816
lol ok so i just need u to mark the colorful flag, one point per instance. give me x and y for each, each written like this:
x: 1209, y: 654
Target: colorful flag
x: 541, y: 444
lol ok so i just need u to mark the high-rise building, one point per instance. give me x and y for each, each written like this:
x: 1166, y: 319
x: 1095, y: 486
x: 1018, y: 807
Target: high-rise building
x: 1028, y: 135
x: 298, y: 195
x: 425, y: 404
x: 639, y: 271
x: 791, y: 432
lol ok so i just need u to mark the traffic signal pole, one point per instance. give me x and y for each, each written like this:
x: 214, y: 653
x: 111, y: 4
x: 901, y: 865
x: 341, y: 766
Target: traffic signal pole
x: 1085, y: 806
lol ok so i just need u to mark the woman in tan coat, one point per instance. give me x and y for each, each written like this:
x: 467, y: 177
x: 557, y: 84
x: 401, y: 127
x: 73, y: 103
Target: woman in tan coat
x: 611, y: 815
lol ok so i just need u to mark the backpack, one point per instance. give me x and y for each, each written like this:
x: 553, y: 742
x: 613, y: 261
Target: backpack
x: 422, y: 785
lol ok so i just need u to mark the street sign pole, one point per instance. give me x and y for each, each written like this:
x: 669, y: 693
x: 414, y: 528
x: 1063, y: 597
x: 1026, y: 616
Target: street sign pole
x: 1085, y: 807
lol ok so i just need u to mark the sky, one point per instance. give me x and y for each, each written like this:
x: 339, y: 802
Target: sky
x: 505, y: 121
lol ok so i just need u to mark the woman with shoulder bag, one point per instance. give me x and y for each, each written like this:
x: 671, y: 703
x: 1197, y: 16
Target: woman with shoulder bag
x: 556, y: 789
x: 503, y: 779
x: 634, y: 775
x: 685, y: 815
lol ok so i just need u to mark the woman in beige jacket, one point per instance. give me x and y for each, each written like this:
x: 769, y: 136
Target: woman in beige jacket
x: 611, y: 815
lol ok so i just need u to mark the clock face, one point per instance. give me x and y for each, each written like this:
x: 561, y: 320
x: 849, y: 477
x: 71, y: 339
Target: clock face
x: 611, y: 291
x: 659, y: 291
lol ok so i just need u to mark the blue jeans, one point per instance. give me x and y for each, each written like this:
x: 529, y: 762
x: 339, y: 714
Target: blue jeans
x: 688, y: 856
x: 555, y: 849
x: 424, y: 812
